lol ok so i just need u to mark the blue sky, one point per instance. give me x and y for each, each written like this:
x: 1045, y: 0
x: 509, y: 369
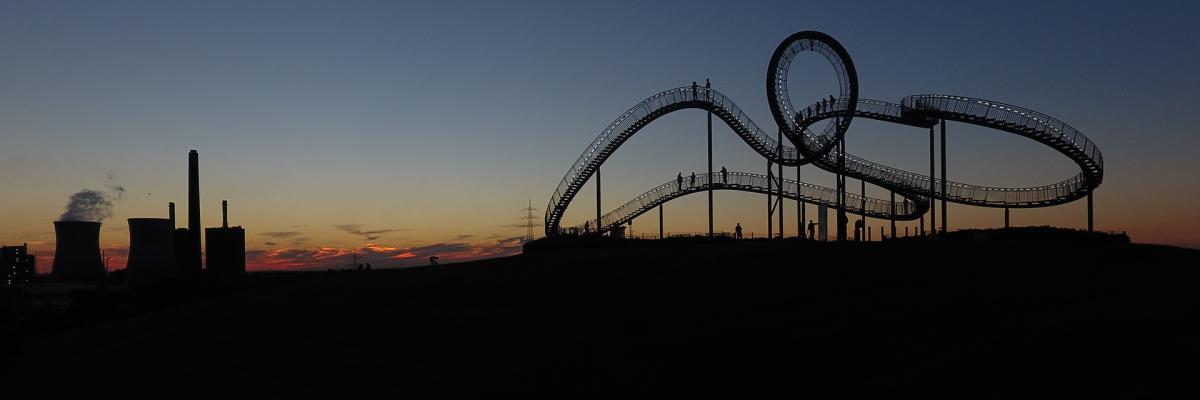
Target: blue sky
x: 438, y: 120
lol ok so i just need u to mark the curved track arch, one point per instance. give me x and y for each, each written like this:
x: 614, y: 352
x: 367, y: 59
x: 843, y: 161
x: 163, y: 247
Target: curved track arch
x: 820, y: 150
x: 755, y: 183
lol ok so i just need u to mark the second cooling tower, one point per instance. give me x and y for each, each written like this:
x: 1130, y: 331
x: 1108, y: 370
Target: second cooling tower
x: 151, y: 251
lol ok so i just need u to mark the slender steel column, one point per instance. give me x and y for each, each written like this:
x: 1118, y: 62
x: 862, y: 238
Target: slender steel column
x: 660, y: 221
x: 932, y: 188
x: 862, y: 205
x: 799, y: 206
x: 841, y: 190
x: 779, y: 175
x: 1006, y: 217
x: 893, y: 216
x: 944, y: 195
x: 710, y: 170
x: 770, y: 202
x: 597, y: 201
x: 1090, y: 211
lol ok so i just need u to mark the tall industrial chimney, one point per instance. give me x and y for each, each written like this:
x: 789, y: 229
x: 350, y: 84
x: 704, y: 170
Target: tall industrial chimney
x: 171, y: 214
x: 151, y: 251
x: 194, y: 209
x: 224, y: 213
x: 77, y: 252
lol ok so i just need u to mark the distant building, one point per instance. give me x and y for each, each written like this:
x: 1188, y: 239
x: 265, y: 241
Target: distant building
x: 225, y: 253
x: 17, y: 265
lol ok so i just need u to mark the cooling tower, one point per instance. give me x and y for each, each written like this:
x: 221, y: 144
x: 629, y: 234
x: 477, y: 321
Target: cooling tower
x: 151, y: 251
x: 77, y: 252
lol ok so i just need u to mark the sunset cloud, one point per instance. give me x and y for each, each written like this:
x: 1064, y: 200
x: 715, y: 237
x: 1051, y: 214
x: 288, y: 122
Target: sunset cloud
x: 281, y: 235
x: 357, y: 229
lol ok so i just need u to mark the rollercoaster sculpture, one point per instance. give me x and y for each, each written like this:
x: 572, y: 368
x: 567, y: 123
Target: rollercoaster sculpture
x: 815, y: 135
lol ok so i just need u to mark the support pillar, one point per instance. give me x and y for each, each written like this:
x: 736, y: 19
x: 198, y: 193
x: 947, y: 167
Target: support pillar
x: 770, y: 202
x: 893, y: 216
x: 1006, y: 217
x: 710, y: 170
x: 660, y: 221
x: 862, y: 205
x: 779, y: 175
x: 932, y: 188
x: 841, y: 190
x: 944, y: 195
x: 799, y: 205
x: 598, y: 201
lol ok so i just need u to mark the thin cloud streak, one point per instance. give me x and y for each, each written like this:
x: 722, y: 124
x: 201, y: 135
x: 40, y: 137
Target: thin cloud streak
x: 356, y: 229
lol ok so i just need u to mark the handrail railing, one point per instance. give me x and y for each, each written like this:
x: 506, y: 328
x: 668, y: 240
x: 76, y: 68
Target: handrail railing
x: 755, y: 183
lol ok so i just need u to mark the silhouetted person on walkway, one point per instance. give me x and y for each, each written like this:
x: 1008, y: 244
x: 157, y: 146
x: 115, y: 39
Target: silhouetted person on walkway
x: 707, y: 89
x: 858, y: 230
x: 737, y: 231
x: 692, y: 181
x: 694, y: 86
x: 724, y: 175
x: 586, y: 227
x: 822, y: 107
x: 679, y: 182
x: 812, y: 230
x: 433, y: 261
x: 832, y: 101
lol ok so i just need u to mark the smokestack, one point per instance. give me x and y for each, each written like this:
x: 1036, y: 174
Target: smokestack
x: 77, y: 252
x: 151, y: 251
x: 194, y: 208
x: 171, y: 213
x: 224, y: 214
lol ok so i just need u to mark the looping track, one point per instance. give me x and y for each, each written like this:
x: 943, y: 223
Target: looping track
x: 818, y: 148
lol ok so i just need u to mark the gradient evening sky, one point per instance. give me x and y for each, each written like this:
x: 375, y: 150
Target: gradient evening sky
x: 434, y: 123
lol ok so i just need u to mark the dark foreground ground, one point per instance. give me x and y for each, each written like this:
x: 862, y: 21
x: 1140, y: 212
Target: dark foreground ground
x: 963, y: 319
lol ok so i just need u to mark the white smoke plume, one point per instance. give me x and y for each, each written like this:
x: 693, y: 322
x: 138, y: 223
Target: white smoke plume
x: 88, y: 205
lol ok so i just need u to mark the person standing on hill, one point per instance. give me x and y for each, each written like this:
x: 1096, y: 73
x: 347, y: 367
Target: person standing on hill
x: 737, y: 231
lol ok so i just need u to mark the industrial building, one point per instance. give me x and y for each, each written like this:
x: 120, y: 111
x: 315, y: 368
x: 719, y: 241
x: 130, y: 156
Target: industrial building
x: 226, y: 251
x: 17, y: 265
x: 157, y: 250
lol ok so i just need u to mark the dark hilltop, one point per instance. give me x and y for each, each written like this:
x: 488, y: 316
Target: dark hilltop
x: 987, y: 314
